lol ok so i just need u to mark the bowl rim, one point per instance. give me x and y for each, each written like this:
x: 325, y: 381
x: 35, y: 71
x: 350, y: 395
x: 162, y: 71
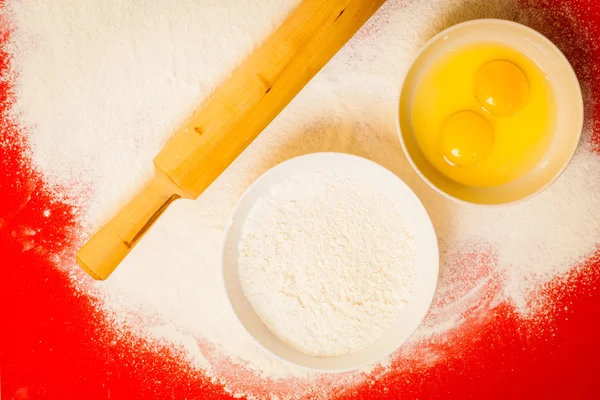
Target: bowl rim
x: 434, y: 250
x: 571, y: 73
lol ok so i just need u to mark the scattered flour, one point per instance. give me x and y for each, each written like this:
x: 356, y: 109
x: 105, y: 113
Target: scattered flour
x: 326, y: 262
x: 102, y: 85
x: 122, y: 76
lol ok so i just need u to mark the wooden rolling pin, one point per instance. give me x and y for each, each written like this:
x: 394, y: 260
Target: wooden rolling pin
x: 229, y: 120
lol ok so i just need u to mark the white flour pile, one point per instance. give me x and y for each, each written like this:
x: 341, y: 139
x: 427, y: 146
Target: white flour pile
x: 326, y: 262
x: 101, y: 86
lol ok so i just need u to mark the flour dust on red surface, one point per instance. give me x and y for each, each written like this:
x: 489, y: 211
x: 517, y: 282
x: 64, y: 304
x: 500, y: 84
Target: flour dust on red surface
x: 501, y: 359
x: 55, y: 344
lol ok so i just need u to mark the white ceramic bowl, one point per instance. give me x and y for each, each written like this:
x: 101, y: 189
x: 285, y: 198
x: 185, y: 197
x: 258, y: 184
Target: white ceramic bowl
x: 569, y: 121
x: 417, y: 222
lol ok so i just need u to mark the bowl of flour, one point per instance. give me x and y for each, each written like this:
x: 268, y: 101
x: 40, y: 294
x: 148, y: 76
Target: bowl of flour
x: 330, y: 262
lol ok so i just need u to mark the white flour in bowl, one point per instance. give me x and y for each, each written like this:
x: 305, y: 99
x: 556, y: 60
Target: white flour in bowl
x: 326, y: 262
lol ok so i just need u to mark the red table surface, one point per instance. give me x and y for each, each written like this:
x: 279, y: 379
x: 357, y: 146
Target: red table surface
x: 54, y: 344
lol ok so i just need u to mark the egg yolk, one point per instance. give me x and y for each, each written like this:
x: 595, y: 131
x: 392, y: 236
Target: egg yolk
x: 501, y: 88
x: 466, y: 138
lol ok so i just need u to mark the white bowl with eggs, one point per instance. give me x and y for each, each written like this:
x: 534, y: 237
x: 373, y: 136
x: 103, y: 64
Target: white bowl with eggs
x: 415, y: 220
x: 564, y: 119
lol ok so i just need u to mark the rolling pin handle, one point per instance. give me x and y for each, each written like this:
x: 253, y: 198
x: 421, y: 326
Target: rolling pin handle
x: 110, y: 245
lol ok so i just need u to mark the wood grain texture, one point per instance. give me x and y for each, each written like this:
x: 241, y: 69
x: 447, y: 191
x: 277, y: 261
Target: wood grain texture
x: 259, y: 89
x: 243, y: 105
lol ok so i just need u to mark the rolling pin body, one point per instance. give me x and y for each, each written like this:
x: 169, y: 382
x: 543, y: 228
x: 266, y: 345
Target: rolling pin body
x: 243, y: 105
